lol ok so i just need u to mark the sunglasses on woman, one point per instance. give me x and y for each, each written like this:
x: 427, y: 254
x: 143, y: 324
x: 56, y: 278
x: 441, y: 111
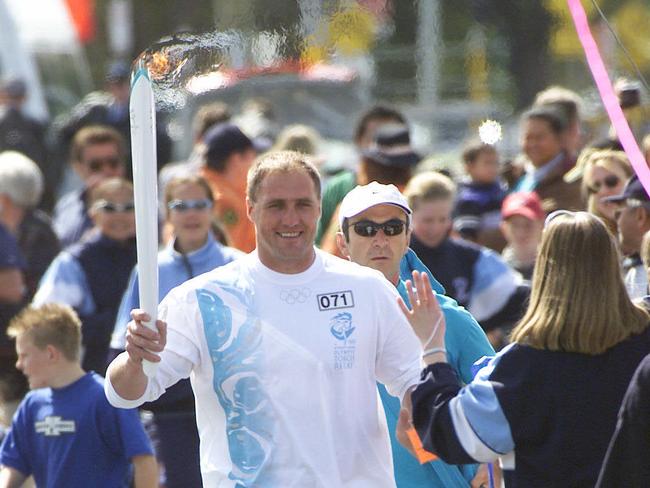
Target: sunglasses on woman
x: 610, y: 182
x: 186, y: 205
x: 110, y: 207
x: 368, y: 228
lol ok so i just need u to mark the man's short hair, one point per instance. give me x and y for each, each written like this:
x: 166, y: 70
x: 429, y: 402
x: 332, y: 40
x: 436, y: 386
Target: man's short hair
x: 549, y: 114
x: 473, y: 150
x: 50, y: 324
x: 210, y: 115
x: 280, y: 162
x: 568, y: 101
x: 93, y: 135
x: 378, y: 112
x: 20, y: 179
x: 429, y: 186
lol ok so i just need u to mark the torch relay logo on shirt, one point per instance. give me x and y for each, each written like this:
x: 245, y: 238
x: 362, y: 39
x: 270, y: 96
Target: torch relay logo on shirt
x: 341, y: 328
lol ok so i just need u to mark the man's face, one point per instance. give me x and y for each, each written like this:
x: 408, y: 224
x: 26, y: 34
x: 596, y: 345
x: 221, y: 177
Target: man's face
x: 285, y: 216
x: 632, y: 223
x: 110, y: 216
x: 432, y: 221
x: 36, y: 364
x: 539, y: 142
x: 98, y: 163
x: 381, y: 252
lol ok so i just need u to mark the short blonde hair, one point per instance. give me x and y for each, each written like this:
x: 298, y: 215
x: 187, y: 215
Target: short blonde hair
x: 429, y: 186
x: 578, y: 301
x: 300, y: 138
x: 280, y: 162
x: 50, y: 324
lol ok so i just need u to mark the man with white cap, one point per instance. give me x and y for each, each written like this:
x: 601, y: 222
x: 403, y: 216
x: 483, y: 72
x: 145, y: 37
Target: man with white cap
x: 375, y: 231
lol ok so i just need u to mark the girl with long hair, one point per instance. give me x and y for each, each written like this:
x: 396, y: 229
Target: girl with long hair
x: 547, y: 404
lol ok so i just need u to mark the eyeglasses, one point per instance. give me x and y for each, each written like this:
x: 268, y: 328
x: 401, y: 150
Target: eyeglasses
x: 110, y: 207
x: 185, y: 205
x: 96, y: 165
x: 610, y: 182
x: 368, y: 228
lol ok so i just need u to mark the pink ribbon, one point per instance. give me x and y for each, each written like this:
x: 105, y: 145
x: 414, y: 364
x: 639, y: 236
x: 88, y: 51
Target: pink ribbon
x: 607, y: 94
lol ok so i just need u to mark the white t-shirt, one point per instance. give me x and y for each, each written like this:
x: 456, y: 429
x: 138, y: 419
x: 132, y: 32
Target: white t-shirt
x: 284, y: 370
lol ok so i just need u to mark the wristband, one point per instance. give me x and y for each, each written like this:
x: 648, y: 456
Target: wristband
x: 433, y: 350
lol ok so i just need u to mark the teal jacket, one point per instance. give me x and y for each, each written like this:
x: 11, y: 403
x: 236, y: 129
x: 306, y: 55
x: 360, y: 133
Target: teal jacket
x: 466, y: 343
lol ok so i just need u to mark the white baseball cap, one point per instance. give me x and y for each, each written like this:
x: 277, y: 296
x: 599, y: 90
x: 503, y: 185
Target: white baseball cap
x: 361, y: 198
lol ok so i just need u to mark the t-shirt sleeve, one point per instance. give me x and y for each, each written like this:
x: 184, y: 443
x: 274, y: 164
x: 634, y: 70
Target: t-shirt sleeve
x: 399, y: 353
x: 14, y: 451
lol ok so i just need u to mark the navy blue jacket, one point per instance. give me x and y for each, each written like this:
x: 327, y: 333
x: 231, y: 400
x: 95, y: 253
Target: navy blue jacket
x: 107, y: 265
x: 557, y: 411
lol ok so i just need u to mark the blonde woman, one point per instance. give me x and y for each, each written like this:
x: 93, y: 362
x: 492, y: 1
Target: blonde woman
x: 546, y: 404
x: 605, y: 174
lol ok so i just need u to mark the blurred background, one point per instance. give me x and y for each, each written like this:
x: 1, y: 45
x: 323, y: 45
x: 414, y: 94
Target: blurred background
x: 447, y: 65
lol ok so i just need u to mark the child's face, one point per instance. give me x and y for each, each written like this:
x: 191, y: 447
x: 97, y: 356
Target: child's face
x: 485, y: 168
x: 34, y: 363
x: 522, y: 232
x: 432, y: 221
x: 115, y: 223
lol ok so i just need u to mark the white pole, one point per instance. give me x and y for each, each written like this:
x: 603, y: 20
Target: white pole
x: 143, y: 150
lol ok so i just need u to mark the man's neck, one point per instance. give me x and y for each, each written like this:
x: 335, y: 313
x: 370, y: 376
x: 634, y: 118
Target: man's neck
x: 69, y: 373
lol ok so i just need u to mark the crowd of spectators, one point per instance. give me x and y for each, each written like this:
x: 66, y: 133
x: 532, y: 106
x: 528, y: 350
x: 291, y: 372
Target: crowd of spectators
x: 481, y: 236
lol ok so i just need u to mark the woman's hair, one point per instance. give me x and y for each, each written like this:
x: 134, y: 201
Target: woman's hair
x: 578, y: 301
x: 177, y: 181
x: 108, y: 188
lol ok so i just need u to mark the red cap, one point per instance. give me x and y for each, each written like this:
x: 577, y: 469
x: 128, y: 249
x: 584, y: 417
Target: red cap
x: 526, y: 204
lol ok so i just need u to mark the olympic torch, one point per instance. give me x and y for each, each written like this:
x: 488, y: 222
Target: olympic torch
x: 143, y: 152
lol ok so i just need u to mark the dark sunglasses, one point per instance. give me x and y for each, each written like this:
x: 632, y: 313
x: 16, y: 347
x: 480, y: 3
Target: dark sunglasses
x: 96, y: 165
x: 610, y: 182
x: 185, y: 205
x: 110, y: 207
x: 368, y: 228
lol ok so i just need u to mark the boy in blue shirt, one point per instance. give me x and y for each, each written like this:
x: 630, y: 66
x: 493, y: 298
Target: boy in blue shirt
x: 65, y: 433
x: 375, y: 231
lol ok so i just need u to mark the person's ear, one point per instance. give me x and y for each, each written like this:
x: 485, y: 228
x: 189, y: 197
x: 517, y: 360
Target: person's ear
x: 249, y: 209
x: 53, y: 354
x: 342, y: 245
